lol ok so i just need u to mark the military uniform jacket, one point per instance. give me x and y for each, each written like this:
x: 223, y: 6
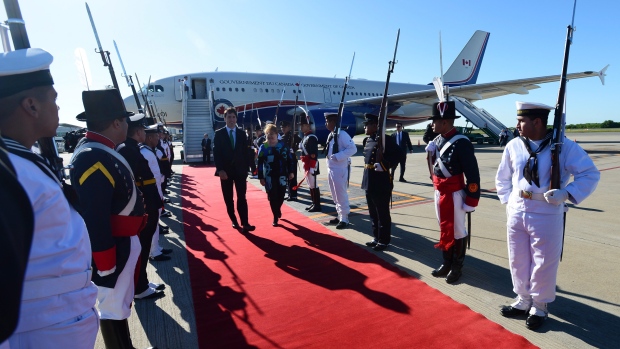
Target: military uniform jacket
x: 458, y: 159
x: 286, y: 142
x: 144, y: 177
x: 309, y: 147
x: 163, y: 160
x: 105, y: 186
x: 380, y: 181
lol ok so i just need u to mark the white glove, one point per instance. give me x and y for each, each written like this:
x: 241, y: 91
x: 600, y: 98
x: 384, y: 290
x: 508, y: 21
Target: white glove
x: 333, y: 157
x: 378, y: 167
x: 431, y: 147
x: 468, y: 208
x: 556, y: 196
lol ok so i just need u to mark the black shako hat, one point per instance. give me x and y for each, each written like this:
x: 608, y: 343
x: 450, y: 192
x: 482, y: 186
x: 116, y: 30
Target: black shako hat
x: 257, y: 128
x: 330, y: 115
x: 304, y: 119
x: 24, y: 69
x: 285, y: 123
x: 103, y: 105
x: 370, y: 119
x: 444, y: 111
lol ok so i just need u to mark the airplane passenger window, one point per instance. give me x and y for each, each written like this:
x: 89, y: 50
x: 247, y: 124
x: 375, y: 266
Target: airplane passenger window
x: 278, y: 90
x: 236, y: 89
x: 242, y: 89
x: 271, y: 90
x: 338, y: 93
x: 334, y: 92
x: 217, y: 88
x: 255, y: 89
x: 230, y: 89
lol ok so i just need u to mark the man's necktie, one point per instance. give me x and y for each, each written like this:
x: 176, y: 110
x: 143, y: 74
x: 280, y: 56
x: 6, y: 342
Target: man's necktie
x: 232, y: 139
x: 399, y: 137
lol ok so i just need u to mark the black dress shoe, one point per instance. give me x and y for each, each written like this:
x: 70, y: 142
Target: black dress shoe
x: 308, y: 208
x: 441, y: 271
x: 402, y: 180
x: 380, y: 247
x: 510, y: 311
x: 248, y: 228
x: 160, y: 258
x: 533, y: 322
x: 453, y: 276
x: 275, y: 222
x: 372, y: 243
x: 166, y: 250
x: 235, y: 225
x: 291, y: 198
x: 342, y: 225
x: 155, y: 295
x: 332, y: 221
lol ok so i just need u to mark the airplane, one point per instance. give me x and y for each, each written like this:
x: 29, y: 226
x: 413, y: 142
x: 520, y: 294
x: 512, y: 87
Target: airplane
x: 256, y: 97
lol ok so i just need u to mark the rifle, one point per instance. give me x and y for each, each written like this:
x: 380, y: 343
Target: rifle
x: 275, y: 119
x: 341, y: 108
x: 559, y: 121
x: 129, y: 80
x: 106, y: 60
x: 145, y: 98
x: 384, y: 105
x: 293, y: 128
x: 47, y: 145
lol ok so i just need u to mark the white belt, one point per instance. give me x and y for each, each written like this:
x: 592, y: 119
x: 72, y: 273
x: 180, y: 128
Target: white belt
x: 531, y: 196
x: 40, y: 288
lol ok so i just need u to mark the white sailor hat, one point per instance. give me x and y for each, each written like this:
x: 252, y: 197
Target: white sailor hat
x: 152, y: 129
x: 24, y: 69
x: 137, y: 121
x: 533, y: 109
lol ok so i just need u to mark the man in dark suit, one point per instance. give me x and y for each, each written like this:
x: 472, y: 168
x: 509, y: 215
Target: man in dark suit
x: 402, y: 139
x: 231, y: 164
x: 206, y: 150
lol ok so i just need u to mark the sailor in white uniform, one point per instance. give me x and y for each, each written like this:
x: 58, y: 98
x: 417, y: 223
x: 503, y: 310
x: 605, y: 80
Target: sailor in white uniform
x: 338, y: 160
x: 58, y: 299
x: 535, y: 213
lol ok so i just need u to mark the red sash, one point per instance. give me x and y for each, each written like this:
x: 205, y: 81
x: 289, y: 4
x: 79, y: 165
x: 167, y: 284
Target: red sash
x: 125, y: 226
x: 445, y: 187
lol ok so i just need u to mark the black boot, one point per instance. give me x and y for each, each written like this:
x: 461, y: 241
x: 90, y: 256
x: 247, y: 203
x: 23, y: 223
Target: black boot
x: 457, y: 264
x: 317, y: 201
x: 308, y: 208
x: 115, y: 334
x: 444, y: 269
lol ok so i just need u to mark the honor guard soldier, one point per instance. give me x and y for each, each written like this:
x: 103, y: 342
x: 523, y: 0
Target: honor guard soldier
x: 309, y: 147
x: 291, y: 141
x: 149, y: 152
x: 452, y: 156
x: 338, y: 160
x: 535, y: 213
x: 57, y: 303
x: 112, y: 207
x: 145, y: 180
x: 378, y: 183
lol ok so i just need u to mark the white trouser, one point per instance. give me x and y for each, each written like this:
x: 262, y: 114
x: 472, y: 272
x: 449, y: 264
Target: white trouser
x: 337, y: 179
x: 77, y: 332
x: 459, y: 214
x: 114, y: 303
x: 534, y: 248
x: 155, y: 248
x: 311, y: 178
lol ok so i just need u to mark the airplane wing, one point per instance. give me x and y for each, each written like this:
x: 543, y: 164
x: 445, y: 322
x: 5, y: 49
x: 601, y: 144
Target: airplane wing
x: 477, y: 91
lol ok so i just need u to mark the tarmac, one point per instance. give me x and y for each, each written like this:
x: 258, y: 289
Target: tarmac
x: 585, y: 314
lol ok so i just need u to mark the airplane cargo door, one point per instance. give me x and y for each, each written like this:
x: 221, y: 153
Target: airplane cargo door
x: 327, y: 95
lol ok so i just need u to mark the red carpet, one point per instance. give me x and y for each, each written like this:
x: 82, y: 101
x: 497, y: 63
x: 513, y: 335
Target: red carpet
x: 301, y: 286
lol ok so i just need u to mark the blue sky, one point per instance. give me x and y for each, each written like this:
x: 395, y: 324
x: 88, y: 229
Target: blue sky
x: 317, y: 38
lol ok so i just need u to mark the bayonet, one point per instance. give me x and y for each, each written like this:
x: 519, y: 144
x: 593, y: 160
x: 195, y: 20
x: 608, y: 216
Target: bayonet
x: 129, y: 80
x: 105, y: 55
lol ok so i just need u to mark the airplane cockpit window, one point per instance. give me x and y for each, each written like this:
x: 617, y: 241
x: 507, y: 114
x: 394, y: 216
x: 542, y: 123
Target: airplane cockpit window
x: 156, y: 88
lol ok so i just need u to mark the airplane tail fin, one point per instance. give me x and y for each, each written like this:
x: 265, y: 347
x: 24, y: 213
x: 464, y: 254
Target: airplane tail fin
x: 465, y: 68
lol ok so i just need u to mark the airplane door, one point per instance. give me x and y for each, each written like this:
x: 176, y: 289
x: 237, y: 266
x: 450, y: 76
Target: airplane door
x: 200, y: 88
x: 178, y: 88
x: 327, y: 95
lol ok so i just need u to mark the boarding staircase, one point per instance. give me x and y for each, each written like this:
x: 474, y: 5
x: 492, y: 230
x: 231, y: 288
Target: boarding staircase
x: 197, y: 120
x: 480, y: 118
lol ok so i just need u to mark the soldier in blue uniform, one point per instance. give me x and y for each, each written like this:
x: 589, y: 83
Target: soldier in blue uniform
x: 309, y: 147
x: 113, y: 209
x: 145, y: 180
x: 291, y: 141
x: 452, y: 161
x: 378, y: 182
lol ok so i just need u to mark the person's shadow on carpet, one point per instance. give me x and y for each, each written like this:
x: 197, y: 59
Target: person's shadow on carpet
x: 323, y: 271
